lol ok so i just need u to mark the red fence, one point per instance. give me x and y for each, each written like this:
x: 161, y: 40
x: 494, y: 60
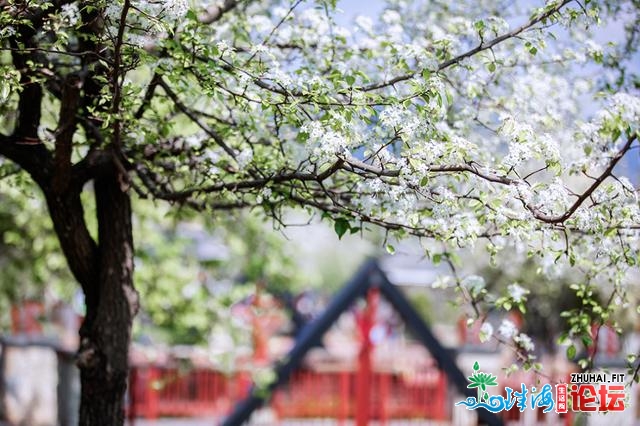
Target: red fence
x: 156, y: 392
x: 172, y: 392
x: 334, y: 395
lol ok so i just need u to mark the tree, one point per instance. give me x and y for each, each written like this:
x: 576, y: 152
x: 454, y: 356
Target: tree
x: 457, y: 123
x: 29, y: 252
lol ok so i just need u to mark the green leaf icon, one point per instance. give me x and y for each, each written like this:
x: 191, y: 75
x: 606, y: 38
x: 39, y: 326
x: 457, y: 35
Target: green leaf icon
x: 480, y: 381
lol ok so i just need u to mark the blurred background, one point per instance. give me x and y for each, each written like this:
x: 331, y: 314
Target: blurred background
x: 227, y: 299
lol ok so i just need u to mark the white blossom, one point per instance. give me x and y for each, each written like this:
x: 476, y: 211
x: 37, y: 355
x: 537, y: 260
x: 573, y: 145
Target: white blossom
x: 486, y: 331
x: 391, y: 17
x: 517, y: 292
x: 507, y: 329
x: 222, y: 45
x: 392, y: 116
x: 365, y: 23
x: 497, y: 24
x: 260, y: 23
x: 244, y: 157
x: 176, y: 9
x: 70, y: 13
x: 474, y: 282
x: 282, y: 78
x: 7, y: 31
x: 525, y: 342
x: 112, y: 11
x: 265, y: 194
x: 593, y: 48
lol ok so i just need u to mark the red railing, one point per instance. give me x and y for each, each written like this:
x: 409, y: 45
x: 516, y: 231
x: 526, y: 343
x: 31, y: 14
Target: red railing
x: 159, y: 391
x: 391, y: 396
x: 166, y: 391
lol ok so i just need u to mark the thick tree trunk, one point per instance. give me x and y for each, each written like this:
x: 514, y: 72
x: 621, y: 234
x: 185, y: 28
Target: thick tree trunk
x: 104, y: 268
x: 111, y: 305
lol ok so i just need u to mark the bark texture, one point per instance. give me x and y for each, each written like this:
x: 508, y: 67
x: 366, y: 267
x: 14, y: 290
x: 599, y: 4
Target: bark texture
x: 111, y: 305
x: 102, y: 264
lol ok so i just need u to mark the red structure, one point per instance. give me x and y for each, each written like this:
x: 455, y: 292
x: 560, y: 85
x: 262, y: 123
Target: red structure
x: 364, y: 379
x: 606, y: 342
x: 361, y: 393
x: 363, y: 390
x: 336, y: 395
x: 25, y: 317
x: 158, y: 392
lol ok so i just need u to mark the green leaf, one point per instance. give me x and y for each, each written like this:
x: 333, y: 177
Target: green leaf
x: 491, y: 66
x: 571, y: 352
x: 341, y: 226
x: 390, y: 249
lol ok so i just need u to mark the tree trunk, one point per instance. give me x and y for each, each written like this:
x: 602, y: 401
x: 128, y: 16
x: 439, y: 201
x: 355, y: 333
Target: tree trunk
x: 111, y: 305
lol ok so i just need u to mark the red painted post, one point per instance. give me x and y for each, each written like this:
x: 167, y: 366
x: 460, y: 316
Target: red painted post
x: 363, y: 390
x: 441, y: 396
x: 258, y: 332
x: 343, y: 408
x: 152, y: 393
x: 143, y: 390
x: 384, y: 397
x: 276, y: 404
x: 241, y: 385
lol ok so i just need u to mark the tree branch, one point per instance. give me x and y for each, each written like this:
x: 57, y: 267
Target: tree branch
x: 148, y: 95
x: 193, y: 117
x: 215, y: 12
x: 467, y: 167
x: 33, y: 157
x: 586, y: 194
x: 30, y: 98
x: 481, y: 47
x: 66, y: 128
x: 115, y: 78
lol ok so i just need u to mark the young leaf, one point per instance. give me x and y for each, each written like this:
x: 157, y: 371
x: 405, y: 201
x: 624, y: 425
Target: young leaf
x: 341, y: 226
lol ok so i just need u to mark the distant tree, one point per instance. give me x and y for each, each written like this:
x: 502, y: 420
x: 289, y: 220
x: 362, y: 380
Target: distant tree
x: 30, y: 258
x: 187, y: 289
x: 461, y: 122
